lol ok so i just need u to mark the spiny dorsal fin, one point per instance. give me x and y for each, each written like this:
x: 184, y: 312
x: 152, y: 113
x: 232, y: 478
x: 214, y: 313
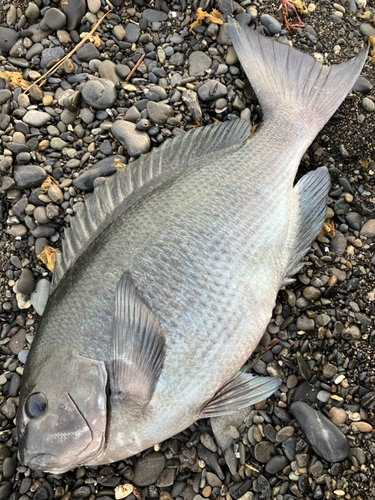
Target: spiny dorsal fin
x: 311, y: 199
x: 140, y: 178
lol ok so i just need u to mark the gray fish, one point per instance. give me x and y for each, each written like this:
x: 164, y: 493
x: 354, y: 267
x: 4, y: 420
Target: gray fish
x: 170, y: 272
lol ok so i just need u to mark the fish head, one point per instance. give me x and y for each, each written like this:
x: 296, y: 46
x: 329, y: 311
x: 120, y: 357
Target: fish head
x: 62, y: 415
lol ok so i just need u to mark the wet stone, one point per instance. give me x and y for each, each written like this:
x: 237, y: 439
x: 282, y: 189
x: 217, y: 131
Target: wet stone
x: 326, y: 439
x: 132, y: 33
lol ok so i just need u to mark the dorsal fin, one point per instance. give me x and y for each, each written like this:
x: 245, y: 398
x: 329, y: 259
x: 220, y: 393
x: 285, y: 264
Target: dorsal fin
x: 140, y: 178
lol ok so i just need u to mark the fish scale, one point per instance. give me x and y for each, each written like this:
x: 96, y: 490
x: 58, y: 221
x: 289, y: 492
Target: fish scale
x: 170, y: 271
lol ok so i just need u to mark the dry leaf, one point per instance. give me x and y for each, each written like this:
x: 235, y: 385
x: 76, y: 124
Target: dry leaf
x: 118, y: 163
x: 96, y: 40
x: 46, y: 184
x: 15, y: 78
x: 366, y: 163
x: 48, y: 257
x: 300, y: 6
x: 328, y: 227
x: 201, y: 14
x: 364, y: 16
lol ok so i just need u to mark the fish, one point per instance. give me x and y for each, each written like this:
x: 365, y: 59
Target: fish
x: 170, y: 270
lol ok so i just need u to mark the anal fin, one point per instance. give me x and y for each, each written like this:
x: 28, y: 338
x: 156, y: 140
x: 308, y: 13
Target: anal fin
x: 310, y: 195
x: 243, y: 390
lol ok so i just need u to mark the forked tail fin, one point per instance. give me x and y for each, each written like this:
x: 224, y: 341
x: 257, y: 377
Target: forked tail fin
x: 291, y: 83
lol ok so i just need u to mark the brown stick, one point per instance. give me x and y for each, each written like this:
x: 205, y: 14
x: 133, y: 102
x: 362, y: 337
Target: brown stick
x: 135, y: 67
x: 60, y: 63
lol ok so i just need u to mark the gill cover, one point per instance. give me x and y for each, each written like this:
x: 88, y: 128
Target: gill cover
x: 63, y: 424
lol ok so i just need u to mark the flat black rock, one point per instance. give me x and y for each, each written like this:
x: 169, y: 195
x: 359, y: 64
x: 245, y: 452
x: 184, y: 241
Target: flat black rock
x: 104, y: 168
x: 326, y: 439
x: 8, y: 38
x: 29, y: 176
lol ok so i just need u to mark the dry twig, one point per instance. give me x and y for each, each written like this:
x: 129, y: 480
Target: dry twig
x: 135, y: 67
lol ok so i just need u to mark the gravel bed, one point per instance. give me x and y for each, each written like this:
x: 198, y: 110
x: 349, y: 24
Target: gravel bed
x: 315, y: 437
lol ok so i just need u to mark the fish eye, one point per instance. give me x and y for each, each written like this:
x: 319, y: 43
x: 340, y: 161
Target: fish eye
x: 36, y: 406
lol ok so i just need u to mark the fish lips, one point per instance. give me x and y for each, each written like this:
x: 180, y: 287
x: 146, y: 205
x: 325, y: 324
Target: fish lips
x: 39, y: 462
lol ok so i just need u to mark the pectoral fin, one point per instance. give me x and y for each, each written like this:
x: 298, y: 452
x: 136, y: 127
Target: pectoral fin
x: 137, y: 345
x: 243, y: 390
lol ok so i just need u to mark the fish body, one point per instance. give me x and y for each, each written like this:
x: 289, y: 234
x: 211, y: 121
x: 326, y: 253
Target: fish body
x: 148, y: 328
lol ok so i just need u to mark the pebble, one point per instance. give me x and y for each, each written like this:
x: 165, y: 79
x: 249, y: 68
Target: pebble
x: 272, y: 24
x: 199, y: 62
x: 368, y: 105
x: 325, y: 438
x: 264, y: 451
x: 74, y: 11
x: 103, y: 168
x: 55, y: 19
x: 159, y: 113
x: 32, y: 11
x: 135, y: 141
x: 26, y: 283
x: 8, y: 38
x: 100, y: 93
x: 148, y: 469
x: 368, y: 229
x: 28, y: 176
x: 36, y: 118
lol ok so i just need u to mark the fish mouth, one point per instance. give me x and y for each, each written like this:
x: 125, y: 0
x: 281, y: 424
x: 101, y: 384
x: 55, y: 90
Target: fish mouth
x: 41, y: 461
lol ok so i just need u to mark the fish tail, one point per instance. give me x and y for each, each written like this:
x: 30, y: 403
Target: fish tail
x: 291, y: 84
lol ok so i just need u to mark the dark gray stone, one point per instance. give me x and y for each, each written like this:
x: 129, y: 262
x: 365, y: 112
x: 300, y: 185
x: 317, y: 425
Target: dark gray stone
x: 8, y: 38
x: 276, y: 464
x: 326, y: 439
x: 211, y: 91
x: 28, y: 176
x: 135, y: 141
x: 148, y: 469
x: 104, y: 168
x: 132, y: 33
x: 355, y: 220
x: 26, y: 283
x: 264, y: 451
x: 159, y: 112
x: 74, y: 11
x: 339, y: 243
x: 55, y: 19
x: 152, y: 15
x: 272, y: 24
x: 51, y: 54
x: 87, y: 52
x: 5, y: 94
x: 362, y: 85
x: 199, y: 62
x: 100, y: 93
